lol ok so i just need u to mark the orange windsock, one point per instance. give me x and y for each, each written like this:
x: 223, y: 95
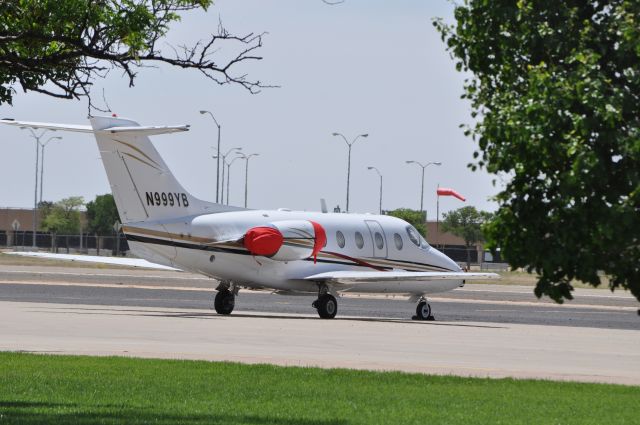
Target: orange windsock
x: 443, y: 191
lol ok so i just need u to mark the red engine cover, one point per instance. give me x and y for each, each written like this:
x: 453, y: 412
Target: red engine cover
x: 263, y: 241
x: 321, y: 239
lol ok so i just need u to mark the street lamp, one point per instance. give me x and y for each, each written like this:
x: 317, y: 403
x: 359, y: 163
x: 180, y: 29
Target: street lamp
x: 378, y: 171
x: 423, y: 166
x: 42, y: 146
x: 349, y: 159
x: 37, y: 138
x: 218, y: 161
x: 224, y: 158
x: 229, y: 175
x: 246, y: 174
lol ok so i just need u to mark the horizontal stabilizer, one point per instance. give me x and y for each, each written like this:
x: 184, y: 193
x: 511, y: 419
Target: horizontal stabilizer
x: 134, y: 131
x: 147, y: 131
x: 49, y: 126
x: 351, y: 277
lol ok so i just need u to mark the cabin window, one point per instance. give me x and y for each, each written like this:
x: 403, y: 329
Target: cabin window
x: 340, y: 239
x: 414, y: 236
x: 379, y: 240
x: 359, y: 240
x: 398, y: 240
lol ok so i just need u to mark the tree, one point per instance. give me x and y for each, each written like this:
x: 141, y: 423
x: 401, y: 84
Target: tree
x: 554, y: 92
x: 44, y: 209
x: 64, y: 217
x: 413, y: 217
x: 102, y: 214
x: 60, y: 47
x: 466, y: 223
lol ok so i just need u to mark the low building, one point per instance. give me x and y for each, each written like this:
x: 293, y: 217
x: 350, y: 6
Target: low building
x: 452, y: 245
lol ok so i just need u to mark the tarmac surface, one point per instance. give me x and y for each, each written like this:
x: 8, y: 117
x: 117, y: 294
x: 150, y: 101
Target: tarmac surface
x: 480, y: 330
x: 598, y: 308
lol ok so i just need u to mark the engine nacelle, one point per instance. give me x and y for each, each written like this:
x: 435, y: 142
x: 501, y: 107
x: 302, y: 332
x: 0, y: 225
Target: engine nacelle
x: 286, y: 240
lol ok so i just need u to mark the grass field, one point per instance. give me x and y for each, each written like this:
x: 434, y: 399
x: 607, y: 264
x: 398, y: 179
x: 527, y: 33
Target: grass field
x: 37, y: 389
x: 530, y: 279
x: 17, y: 260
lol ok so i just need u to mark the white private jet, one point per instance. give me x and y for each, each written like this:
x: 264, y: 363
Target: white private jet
x: 290, y: 252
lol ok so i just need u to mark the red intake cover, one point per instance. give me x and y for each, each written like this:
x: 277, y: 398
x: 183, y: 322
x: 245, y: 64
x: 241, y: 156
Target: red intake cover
x: 321, y: 239
x: 263, y: 241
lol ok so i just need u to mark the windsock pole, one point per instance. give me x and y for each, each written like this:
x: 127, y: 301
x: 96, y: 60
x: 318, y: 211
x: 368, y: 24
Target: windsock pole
x: 437, y: 216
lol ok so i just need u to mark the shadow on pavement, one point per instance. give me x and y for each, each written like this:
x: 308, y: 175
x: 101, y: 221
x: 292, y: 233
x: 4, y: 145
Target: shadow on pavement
x: 215, y: 316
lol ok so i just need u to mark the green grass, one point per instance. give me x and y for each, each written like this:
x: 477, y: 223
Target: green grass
x: 17, y: 260
x: 38, y: 389
x: 529, y: 279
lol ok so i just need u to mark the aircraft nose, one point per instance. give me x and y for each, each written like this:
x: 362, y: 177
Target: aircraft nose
x: 441, y: 260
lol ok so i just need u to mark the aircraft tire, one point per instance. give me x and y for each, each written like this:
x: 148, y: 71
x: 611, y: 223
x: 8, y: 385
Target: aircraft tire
x: 423, y: 311
x: 327, y: 306
x: 224, y: 302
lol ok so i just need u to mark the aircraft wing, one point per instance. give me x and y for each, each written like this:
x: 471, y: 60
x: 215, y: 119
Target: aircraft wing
x: 355, y: 277
x: 120, y: 261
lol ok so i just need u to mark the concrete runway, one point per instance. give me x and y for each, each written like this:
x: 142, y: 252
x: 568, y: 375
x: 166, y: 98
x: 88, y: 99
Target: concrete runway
x: 481, y: 330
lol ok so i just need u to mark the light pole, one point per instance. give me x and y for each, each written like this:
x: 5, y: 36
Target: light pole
x: 42, y: 146
x: 246, y: 175
x: 218, y: 161
x: 349, y: 159
x: 224, y: 159
x: 229, y: 175
x: 37, y: 138
x: 423, y: 166
x: 380, y: 174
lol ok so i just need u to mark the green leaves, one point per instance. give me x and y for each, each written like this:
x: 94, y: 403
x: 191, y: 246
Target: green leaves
x: 58, y: 47
x: 467, y: 223
x: 102, y: 214
x: 63, y: 217
x: 556, y: 88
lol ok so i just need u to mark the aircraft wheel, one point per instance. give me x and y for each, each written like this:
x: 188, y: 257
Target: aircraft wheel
x: 224, y: 302
x: 327, y: 306
x: 423, y: 311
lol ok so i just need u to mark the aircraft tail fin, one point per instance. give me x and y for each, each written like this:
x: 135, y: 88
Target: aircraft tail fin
x: 143, y: 186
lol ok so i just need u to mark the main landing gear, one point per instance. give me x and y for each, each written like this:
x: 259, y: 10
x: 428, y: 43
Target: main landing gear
x: 423, y: 310
x: 326, y: 304
x: 225, y: 299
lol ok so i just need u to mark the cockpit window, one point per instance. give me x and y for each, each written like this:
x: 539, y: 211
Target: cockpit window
x: 416, y: 238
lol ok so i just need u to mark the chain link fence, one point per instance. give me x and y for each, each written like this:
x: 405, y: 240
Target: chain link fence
x: 87, y: 243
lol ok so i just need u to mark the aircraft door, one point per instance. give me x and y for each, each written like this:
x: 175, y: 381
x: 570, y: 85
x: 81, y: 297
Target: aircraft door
x: 379, y: 239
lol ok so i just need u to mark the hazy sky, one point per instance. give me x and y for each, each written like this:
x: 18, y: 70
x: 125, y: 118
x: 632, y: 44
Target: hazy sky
x: 365, y: 66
